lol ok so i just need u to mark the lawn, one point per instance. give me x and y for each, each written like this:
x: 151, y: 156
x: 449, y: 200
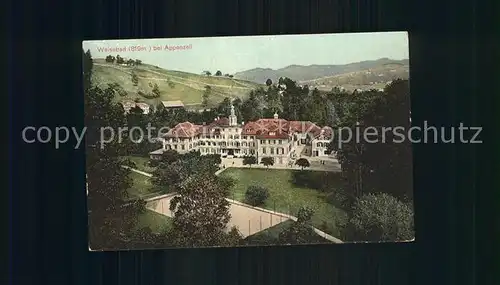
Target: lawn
x: 156, y: 222
x: 285, y: 197
x: 141, y: 163
x: 271, y: 235
x: 142, y: 187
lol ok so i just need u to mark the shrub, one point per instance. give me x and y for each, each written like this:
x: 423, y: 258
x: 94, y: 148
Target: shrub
x: 153, y: 163
x: 381, y: 217
x: 256, y: 195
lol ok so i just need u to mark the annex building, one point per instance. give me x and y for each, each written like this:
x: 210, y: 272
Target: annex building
x: 274, y: 137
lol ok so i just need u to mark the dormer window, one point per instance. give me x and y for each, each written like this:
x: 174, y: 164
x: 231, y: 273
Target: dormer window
x: 272, y: 133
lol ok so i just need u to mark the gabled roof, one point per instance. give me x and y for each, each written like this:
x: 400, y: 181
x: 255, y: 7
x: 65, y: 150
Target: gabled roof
x: 172, y: 104
x: 184, y: 130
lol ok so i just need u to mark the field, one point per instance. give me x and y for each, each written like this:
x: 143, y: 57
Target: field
x: 285, y: 197
x: 173, y: 85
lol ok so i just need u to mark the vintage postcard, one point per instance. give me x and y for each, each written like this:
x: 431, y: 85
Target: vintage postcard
x: 248, y: 141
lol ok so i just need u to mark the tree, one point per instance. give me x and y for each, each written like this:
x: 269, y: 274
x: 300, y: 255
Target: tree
x: 169, y: 156
x: 156, y: 90
x: 201, y: 213
x: 87, y: 70
x: 256, y: 195
x: 267, y: 161
x: 218, y: 73
x: 302, y: 162
x: 252, y: 109
x: 224, y: 107
x: 381, y: 217
x: 170, y: 176
x: 301, y: 231
x: 110, y: 59
x: 207, y: 73
x: 206, y: 95
x: 273, y: 100
x: 249, y: 160
x: 138, y: 62
x: 119, y: 60
x: 214, y: 158
x: 374, y: 167
x: 135, y: 79
x: 269, y: 82
x: 316, y: 108
x: 112, y: 218
x: 170, y: 83
x: 231, y: 76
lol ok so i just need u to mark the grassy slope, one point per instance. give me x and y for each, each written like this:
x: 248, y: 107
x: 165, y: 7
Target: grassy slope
x: 141, y: 163
x: 187, y: 87
x: 156, y: 222
x: 142, y: 186
x: 285, y: 197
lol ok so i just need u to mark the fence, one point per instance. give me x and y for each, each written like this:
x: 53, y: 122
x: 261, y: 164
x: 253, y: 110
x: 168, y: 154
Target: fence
x: 249, y: 220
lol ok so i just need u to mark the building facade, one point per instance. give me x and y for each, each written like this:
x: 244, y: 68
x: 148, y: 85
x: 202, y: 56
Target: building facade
x: 128, y: 105
x: 278, y: 138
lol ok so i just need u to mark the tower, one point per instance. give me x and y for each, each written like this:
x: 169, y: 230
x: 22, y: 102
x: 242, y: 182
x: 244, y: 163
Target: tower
x: 233, y: 120
x: 275, y: 115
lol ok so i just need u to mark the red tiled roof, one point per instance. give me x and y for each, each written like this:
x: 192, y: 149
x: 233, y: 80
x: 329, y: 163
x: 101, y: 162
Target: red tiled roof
x: 184, y: 130
x: 222, y: 122
x: 262, y: 128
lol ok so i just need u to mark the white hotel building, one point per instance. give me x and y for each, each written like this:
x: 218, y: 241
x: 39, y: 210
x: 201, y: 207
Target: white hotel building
x: 274, y: 137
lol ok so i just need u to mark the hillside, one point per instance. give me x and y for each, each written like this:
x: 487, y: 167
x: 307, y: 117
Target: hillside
x: 373, y: 78
x: 173, y: 85
x: 311, y: 72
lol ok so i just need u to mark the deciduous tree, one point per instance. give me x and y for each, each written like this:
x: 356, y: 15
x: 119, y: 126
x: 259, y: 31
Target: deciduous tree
x: 302, y: 162
x: 267, y: 161
x: 201, y: 213
x: 377, y: 217
x: 249, y: 160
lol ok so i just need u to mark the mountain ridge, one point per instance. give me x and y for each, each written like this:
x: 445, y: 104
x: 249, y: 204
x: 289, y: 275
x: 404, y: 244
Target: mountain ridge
x: 313, y: 71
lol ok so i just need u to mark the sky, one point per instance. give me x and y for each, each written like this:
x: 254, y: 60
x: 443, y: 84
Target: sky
x: 234, y: 54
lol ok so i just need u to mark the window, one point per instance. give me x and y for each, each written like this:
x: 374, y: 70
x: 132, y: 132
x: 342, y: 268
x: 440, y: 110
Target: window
x: 262, y: 142
x: 272, y: 150
x: 279, y: 142
x: 244, y: 137
x: 272, y: 133
x: 274, y: 141
x: 182, y: 146
x: 263, y: 150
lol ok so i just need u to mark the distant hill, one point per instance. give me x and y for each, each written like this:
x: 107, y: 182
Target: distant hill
x: 173, y: 85
x: 372, y: 78
x: 311, y: 72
